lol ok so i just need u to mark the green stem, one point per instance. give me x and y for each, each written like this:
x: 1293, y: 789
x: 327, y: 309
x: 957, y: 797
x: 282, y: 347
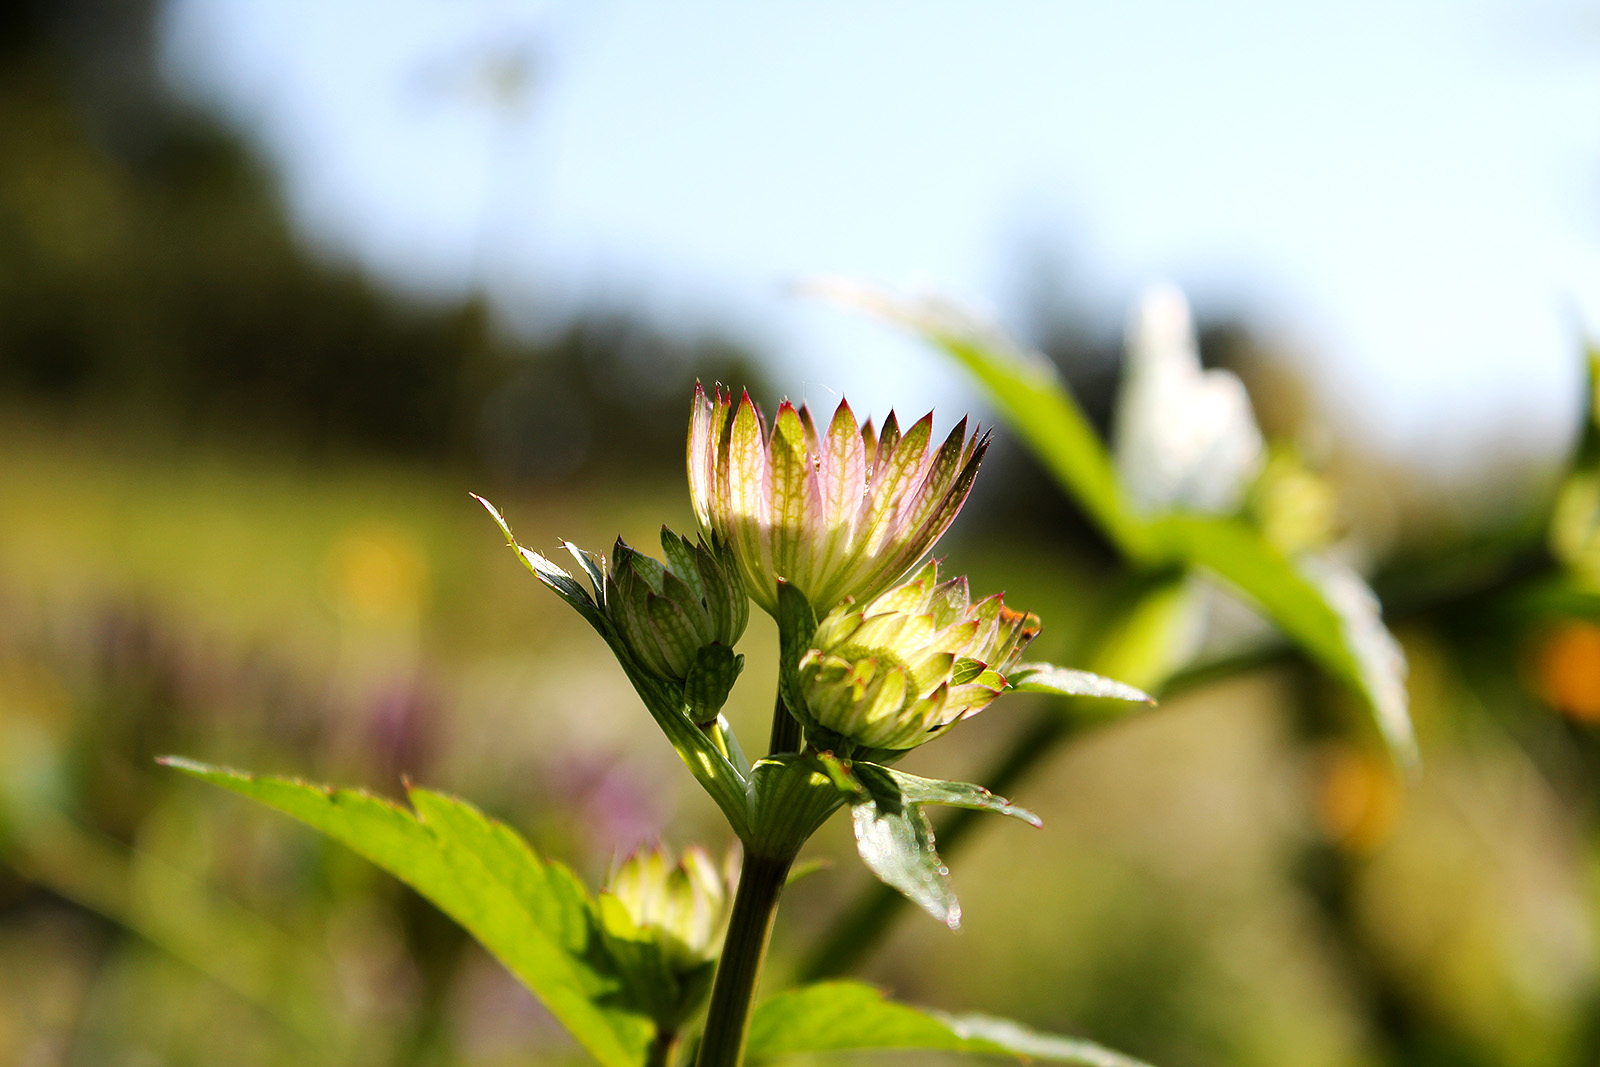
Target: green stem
x: 755, y: 905
x: 785, y: 730
x: 662, y: 1048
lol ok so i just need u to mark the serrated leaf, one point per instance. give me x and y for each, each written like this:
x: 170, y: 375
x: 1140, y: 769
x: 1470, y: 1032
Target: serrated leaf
x: 1066, y: 681
x: 1325, y: 609
x: 848, y: 1016
x: 880, y: 781
x: 594, y: 566
x: 531, y: 915
x: 565, y: 586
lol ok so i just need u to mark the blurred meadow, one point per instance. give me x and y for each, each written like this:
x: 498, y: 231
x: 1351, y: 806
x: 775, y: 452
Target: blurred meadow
x: 234, y: 524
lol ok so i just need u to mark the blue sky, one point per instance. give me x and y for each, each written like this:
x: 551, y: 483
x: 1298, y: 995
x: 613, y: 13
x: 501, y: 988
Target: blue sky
x: 1406, y: 194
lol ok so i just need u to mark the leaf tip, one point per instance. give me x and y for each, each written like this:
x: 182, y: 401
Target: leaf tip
x: 202, y: 770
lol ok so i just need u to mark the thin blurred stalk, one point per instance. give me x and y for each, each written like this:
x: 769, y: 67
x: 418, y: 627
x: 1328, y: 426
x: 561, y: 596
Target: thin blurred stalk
x: 1329, y: 873
x: 662, y: 1049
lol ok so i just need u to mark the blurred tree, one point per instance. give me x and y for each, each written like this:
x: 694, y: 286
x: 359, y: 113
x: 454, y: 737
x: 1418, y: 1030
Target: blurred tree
x: 147, y: 273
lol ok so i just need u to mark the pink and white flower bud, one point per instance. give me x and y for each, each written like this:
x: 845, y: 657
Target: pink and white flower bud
x: 846, y: 512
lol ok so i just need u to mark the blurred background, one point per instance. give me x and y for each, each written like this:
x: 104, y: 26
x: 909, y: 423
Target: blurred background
x: 280, y: 282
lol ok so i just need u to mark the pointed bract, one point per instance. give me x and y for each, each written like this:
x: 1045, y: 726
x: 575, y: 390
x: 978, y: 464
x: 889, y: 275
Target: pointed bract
x: 842, y: 514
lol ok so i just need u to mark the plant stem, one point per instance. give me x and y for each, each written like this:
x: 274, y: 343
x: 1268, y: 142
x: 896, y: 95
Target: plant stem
x: 755, y: 905
x: 785, y: 730
x: 662, y: 1048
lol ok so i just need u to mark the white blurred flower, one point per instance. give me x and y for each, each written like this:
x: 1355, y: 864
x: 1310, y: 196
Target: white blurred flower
x: 1185, y: 438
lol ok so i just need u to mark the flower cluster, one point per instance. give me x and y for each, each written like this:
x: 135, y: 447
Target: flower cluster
x: 912, y: 662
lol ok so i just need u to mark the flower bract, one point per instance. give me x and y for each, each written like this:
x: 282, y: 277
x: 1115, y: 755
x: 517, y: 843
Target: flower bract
x: 912, y: 662
x: 841, y: 512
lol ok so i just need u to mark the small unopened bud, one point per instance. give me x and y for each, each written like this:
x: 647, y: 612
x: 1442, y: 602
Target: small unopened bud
x: 682, y: 906
x: 663, y: 924
x: 681, y: 619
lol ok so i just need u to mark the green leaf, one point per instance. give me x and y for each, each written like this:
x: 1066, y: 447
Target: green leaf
x: 881, y: 781
x: 1065, y: 681
x: 893, y: 835
x: 533, y: 916
x: 1343, y: 634
x: 845, y: 1016
x: 1325, y: 609
x: 1030, y: 396
x: 565, y: 586
x: 895, y: 841
x: 594, y: 566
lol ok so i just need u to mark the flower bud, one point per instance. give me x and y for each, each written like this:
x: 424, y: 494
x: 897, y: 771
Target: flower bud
x: 680, y: 620
x: 663, y: 923
x: 911, y: 663
x: 682, y: 907
x: 841, y: 513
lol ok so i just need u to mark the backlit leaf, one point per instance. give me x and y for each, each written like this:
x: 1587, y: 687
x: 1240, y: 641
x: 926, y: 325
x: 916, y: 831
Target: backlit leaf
x: 531, y: 915
x: 843, y: 1016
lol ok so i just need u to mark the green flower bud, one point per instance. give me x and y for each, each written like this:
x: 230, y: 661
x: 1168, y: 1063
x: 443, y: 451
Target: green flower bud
x: 682, y: 907
x: 680, y: 620
x: 663, y: 923
x: 911, y: 663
